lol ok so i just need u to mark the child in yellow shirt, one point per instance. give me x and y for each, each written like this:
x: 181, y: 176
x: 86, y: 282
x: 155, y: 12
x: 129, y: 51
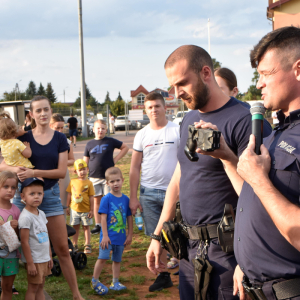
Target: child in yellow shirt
x: 14, y: 152
x: 81, y: 202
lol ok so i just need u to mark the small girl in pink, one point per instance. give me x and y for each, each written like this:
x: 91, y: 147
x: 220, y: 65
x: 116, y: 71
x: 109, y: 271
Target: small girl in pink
x: 9, y: 261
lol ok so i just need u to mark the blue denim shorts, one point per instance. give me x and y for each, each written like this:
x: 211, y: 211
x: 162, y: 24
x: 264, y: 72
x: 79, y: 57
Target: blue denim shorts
x: 51, y: 204
x: 152, y: 201
x: 117, y: 251
x: 73, y: 132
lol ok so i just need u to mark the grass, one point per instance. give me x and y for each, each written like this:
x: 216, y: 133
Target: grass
x: 138, y: 279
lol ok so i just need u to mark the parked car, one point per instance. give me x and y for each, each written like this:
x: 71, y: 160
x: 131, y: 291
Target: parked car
x: 178, y: 119
x: 120, y: 123
x: 142, y: 123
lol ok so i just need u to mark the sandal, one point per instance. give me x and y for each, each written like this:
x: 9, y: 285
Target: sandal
x: 14, y: 291
x: 87, y: 249
x: 99, y: 287
x: 173, y: 263
x: 75, y: 247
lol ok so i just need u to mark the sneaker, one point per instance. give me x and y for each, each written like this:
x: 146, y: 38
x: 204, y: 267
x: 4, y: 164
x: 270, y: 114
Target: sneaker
x: 117, y: 286
x: 99, y: 287
x: 74, y: 145
x: 162, y: 281
x: 96, y: 229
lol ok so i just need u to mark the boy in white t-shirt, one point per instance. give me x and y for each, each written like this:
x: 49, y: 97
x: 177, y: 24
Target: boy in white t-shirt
x: 36, y: 252
x: 155, y: 152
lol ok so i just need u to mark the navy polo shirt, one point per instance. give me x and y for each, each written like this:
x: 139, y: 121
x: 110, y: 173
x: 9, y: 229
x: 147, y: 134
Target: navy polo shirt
x: 204, y: 185
x: 261, y: 251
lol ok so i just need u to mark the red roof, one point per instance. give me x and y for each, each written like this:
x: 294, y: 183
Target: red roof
x: 172, y: 90
x: 140, y: 89
x: 278, y: 3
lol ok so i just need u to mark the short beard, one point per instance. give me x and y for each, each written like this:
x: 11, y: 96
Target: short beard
x: 200, y: 97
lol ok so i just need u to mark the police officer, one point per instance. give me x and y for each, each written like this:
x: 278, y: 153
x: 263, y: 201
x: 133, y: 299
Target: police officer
x: 267, y: 236
x: 205, y: 188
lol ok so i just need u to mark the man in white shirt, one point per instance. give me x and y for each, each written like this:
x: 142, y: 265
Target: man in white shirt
x: 155, y: 151
x: 111, y: 123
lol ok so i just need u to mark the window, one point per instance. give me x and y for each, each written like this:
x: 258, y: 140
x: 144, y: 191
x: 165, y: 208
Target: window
x: 140, y: 99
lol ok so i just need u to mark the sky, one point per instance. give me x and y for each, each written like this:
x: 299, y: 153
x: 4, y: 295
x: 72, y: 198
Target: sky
x: 125, y: 42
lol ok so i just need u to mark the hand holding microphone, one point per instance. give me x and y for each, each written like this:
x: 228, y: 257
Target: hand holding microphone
x: 257, y: 111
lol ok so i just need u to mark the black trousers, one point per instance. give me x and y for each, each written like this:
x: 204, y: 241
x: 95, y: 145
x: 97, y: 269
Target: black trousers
x: 221, y: 281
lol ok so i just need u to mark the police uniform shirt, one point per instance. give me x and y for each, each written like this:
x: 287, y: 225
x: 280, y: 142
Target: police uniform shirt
x: 261, y: 251
x: 204, y: 185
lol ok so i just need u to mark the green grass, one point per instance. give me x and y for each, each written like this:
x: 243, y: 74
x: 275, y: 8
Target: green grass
x: 138, y: 279
x: 152, y: 295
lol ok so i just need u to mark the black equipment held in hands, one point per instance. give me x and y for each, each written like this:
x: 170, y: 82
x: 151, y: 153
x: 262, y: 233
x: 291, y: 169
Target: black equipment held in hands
x: 205, y: 139
x: 257, y: 111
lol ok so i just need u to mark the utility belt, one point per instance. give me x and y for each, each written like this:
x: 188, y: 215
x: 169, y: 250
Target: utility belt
x: 282, y: 290
x: 175, y: 235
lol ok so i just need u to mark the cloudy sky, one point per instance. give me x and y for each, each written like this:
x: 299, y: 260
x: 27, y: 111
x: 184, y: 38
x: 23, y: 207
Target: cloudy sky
x: 125, y: 42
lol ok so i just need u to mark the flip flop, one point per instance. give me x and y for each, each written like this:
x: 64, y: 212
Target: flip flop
x: 173, y: 263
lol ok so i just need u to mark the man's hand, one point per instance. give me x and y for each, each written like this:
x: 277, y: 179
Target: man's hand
x: 104, y: 243
x: 254, y: 168
x: 14, y: 224
x: 134, y: 204
x: 154, y: 264
x: 91, y: 214
x: 31, y: 269
x: 50, y: 264
x: 128, y: 240
x: 237, y: 284
x: 224, y: 152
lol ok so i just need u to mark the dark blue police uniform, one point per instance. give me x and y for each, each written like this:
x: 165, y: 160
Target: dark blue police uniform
x: 263, y: 254
x: 205, y: 189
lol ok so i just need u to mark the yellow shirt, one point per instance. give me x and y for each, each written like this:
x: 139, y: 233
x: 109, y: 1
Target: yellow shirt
x: 11, y: 151
x: 80, y: 191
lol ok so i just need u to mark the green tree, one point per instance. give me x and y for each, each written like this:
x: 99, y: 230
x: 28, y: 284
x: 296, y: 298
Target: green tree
x: 90, y: 100
x: 31, y: 90
x: 50, y: 93
x: 118, y: 107
x: 41, y: 91
x: 216, y: 63
x: 107, y: 99
x: 12, y: 96
x: 253, y: 93
x: 119, y: 97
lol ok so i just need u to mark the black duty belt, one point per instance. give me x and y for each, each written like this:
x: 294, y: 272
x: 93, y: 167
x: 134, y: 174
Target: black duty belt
x: 200, y: 233
x: 283, y: 290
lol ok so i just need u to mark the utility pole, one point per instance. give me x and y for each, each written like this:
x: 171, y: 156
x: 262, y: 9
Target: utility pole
x: 83, y: 100
x: 208, y: 27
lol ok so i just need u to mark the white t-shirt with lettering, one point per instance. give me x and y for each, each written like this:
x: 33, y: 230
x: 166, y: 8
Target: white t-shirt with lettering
x: 159, y: 149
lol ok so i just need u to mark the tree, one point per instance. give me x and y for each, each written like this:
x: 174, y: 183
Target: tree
x: 107, y: 99
x: 41, y: 91
x: 119, y: 97
x: 12, y: 96
x: 253, y: 93
x: 216, y: 63
x: 90, y: 100
x: 118, y: 107
x: 31, y: 90
x: 50, y: 93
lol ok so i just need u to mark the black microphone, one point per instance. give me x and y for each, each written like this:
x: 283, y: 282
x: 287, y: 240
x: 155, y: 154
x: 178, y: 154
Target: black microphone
x: 257, y: 111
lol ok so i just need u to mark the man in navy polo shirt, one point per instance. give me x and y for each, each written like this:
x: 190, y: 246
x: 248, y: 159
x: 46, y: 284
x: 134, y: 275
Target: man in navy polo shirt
x: 203, y: 186
x: 267, y: 236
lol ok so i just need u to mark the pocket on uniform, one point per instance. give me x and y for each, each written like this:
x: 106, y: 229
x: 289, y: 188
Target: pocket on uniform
x: 227, y: 293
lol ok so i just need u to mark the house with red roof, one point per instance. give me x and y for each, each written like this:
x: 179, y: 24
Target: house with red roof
x: 172, y: 103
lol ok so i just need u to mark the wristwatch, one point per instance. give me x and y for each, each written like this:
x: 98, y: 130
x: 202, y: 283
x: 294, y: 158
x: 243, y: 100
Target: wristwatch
x: 155, y: 237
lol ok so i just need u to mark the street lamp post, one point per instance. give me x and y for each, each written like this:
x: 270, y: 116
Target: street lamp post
x: 17, y: 87
x: 65, y: 94
x: 83, y: 95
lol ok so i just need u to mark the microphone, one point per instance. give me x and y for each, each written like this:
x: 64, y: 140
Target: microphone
x: 257, y: 111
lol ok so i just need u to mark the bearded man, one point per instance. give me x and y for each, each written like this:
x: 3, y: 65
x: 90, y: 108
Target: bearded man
x: 205, y: 188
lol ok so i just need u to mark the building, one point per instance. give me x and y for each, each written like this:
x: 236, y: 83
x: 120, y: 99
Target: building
x: 172, y: 103
x: 284, y: 13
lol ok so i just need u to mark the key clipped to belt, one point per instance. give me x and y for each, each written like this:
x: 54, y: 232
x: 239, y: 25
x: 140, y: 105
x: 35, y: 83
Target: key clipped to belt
x: 202, y: 271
